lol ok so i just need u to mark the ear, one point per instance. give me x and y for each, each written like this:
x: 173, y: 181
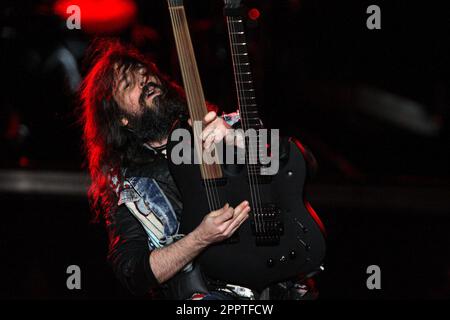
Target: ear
x: 124, y: 121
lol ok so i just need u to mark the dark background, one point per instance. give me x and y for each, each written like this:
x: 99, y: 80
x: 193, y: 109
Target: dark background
x: 373, y: 106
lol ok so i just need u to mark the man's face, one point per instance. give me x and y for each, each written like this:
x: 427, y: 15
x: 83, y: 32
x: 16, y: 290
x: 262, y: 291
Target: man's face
x: 150, y: 107
x: 135, y: 90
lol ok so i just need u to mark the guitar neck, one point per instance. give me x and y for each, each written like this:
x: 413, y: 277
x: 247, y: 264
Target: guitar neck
x: 192, y: 83
x: 245, y: 90
x: 188, y: 64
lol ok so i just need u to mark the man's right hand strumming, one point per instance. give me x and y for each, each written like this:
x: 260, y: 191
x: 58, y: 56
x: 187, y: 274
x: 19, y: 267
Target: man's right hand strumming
x: 216, y: 226
x: 221, y: 224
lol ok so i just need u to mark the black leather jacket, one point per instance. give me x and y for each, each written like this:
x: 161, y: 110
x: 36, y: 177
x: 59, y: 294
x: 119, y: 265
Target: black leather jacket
x: 129, y: 248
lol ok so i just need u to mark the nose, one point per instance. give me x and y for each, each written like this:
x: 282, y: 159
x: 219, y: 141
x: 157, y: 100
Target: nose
x: 143, y: 81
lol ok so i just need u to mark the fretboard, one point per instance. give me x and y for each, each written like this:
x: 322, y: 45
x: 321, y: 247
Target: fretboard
x: 245, y: 90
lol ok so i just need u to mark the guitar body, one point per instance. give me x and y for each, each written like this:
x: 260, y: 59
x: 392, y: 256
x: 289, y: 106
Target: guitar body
x: 242, y: 261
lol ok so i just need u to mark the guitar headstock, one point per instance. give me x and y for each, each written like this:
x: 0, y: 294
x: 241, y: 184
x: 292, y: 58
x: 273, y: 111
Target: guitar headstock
x: 232, y: 4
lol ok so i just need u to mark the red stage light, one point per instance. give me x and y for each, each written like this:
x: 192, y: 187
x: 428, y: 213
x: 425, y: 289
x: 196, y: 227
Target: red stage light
x: 100, y: 16
x: 24, y: 162
x: 316, y: 217
x: 254, y: 14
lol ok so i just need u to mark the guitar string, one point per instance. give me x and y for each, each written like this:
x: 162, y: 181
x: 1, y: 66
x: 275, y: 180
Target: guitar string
x: 239, y: 84
x: 252, y: 148
x: 176, y: 22
x: 253, y: 173
x: 206, y: 172
x: 176, y: 27
x: 232, y: 29
x: 209, y: 170
x: 215, y: 166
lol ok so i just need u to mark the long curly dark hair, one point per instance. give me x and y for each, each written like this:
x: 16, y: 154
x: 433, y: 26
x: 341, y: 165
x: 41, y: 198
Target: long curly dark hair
x: 108, y: 144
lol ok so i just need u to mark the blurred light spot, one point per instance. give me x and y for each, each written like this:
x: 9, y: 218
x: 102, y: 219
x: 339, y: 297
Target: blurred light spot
x: 13, y: 126
x: 254, y: 14
x: 100, y: 16
x: 24, y: 162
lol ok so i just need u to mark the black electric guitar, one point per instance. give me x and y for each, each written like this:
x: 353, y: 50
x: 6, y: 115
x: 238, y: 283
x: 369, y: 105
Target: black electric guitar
x: 283, y: 238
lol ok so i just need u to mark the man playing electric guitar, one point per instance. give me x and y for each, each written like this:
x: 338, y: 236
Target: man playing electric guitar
x: 128, y: 110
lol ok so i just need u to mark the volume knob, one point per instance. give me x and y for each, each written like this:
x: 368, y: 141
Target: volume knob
x: 292, y: 254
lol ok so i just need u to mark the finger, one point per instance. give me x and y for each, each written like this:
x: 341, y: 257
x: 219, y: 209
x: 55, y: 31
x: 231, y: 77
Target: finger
x: 208, y: 130
x: 208, y: 142
x: 229, y: 137
x: 240, y: 141
x: 245, y: 211
x: 218, y: 135
x: 218, y: 212
x: 210, y: 116
x: 242, y: 217
x: 241, y: 206
x: 237, y: 221
x: 237, y: 227
x: 240, y: 213
x: 226, y: 215
x: 210, y: 150
x: 190, y: 122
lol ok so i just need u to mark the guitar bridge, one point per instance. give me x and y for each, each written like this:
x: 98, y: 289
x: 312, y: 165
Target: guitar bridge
x: 267, y: 225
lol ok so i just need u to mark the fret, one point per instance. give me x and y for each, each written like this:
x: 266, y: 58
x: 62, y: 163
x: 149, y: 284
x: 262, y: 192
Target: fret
x: 255, y: 126
x: 250, y: 116
x: 244, y: 85
x: 240, y: 58
x: 243, y: 74
x: 251, y: 120
x: 238, y: 38
x: 246, y: 104
x: 251, y: 123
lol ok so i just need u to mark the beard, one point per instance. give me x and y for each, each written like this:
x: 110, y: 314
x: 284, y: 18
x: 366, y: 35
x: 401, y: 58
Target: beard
x: 155, y: 122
